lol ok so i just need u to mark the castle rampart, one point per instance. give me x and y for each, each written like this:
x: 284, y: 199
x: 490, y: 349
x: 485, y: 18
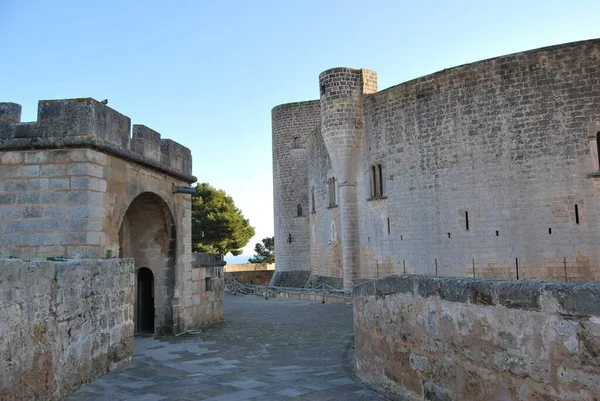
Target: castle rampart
x: 87, y: 123
x: 76, y: 184
x: 487, y: 169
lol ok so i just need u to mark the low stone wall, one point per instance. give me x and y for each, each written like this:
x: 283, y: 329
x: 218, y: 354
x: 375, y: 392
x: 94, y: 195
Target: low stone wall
x: 313, y: 297
x: 249, y: 267
x: 207, y: 285
x: 62, y: 324
x: 443, y: 339
x: 256, y: 277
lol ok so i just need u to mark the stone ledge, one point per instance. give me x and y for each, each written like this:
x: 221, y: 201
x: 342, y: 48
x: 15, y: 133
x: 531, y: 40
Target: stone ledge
x: 571, y: 298
x: 12, y: 144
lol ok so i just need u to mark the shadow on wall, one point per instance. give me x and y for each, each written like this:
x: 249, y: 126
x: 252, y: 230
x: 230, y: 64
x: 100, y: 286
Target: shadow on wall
x: 147, y: 235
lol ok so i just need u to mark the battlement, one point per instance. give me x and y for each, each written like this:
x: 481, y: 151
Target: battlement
x: 85, y: 122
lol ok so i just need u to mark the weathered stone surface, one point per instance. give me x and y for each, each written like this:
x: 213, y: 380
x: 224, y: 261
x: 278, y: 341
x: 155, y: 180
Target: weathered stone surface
x: 434, y: 338
x: 64, y: 323
x: 290, y: 278
x: 86, y: 123
x: 466, y: 157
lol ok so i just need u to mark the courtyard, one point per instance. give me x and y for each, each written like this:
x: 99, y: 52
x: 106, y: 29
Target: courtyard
x: 264, y: 350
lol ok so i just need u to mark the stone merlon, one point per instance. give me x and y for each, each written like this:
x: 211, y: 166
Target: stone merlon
x: 85, y: 122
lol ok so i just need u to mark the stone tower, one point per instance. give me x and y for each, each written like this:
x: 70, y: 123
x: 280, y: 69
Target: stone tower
x: 292, y: 124
x: 342, y: 91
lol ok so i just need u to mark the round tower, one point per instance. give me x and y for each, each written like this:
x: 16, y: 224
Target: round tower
x: 292, y: 124
x: 342, y: 92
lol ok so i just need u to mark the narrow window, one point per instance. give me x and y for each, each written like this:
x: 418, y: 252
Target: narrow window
x: 467, y: 220
x: 373, y: 182
x: 380, y: 180
x: 208, y: 284
x: 299, y: 210
x: 296, y: 142
x: 312, y: 199
x: 331, y: 188
x: 497, y: 233
x: 388, y: 221
x: 550, y: 230
x: 576, y: 214
x: 598, y: 147
x: 448, y: 235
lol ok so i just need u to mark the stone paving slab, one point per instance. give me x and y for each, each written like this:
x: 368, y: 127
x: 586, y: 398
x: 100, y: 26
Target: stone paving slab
x: 264, y: 350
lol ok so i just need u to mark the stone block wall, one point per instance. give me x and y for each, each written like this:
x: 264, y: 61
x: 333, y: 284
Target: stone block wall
x: 246, y: 267
x: 71, y: 181
x: 484, y: 166
x: 489, y: 169
x: 62, y: 324
x: 428, y: 338
x: 206, y: 283
x: 256, y: 277
x: 292, y: 124
x: 85, y: 122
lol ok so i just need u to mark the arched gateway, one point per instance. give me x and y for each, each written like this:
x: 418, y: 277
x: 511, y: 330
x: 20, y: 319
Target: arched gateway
x: 147, y: 235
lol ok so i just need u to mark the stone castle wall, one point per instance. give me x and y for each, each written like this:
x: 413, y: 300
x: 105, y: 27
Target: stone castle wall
x: 293, y: 123
x: 509, y: 141
x: 63, y: 324
x: 508, y: 144
x: 429, y: 338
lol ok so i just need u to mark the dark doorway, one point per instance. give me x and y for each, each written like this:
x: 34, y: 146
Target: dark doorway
x: 145, y: 301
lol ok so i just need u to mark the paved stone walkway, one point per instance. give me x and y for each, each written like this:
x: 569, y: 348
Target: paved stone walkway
x: 265, y: 350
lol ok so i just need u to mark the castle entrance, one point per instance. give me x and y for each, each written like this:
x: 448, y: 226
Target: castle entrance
x: 147, y: 235
x: 145, y: 301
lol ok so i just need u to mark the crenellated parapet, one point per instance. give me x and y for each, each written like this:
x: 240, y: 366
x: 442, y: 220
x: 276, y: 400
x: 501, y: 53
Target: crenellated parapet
x: 87, y: 123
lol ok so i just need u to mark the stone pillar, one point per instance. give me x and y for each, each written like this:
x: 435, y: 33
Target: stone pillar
x: 342, y: 110
x: 350, y: 235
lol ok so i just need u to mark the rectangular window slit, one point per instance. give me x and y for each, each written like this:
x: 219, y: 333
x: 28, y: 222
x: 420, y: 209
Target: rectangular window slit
x: 576, y: 214
x: 550, y: 230
x: 448, y: 235
x: 497, y: 233
x: 208, y: 284
x: 401, y: 238
x: 388, y: 224
x: 467, y: 220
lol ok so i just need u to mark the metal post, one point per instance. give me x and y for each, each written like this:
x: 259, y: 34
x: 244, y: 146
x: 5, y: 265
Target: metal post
x: 436, y: 267
x: 517, y: 266
x: 323, y: 293
x: 266, y: 290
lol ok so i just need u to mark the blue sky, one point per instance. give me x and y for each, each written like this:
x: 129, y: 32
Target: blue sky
x: 207, y: 74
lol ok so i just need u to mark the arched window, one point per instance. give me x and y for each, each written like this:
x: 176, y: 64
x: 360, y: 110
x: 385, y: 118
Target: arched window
x: 299, y: 210
x: 296, y: 142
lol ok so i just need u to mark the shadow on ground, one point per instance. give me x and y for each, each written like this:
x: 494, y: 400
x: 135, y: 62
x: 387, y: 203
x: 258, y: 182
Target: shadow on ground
x: 264, y: 350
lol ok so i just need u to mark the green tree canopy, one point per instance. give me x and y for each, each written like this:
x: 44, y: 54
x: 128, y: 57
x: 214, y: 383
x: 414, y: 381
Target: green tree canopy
x: 265, y: 252
x: 217, y: 224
